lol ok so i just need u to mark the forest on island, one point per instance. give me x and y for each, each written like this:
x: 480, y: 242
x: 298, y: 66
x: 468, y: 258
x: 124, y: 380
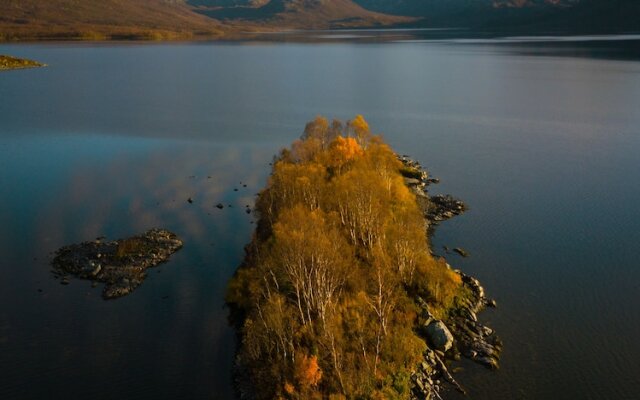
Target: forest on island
x: 325, y: 301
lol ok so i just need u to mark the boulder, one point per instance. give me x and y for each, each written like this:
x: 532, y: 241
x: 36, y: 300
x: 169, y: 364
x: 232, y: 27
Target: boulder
x: 439, y: 335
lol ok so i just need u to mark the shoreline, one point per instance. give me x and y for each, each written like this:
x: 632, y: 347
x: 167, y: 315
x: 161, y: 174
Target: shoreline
x: 460, y: 333
x: 280, y: 34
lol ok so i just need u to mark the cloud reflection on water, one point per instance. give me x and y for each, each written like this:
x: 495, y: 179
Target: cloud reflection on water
x: 173, y: 327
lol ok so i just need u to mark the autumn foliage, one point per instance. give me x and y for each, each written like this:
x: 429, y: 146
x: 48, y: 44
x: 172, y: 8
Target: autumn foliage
x: 325, y: 300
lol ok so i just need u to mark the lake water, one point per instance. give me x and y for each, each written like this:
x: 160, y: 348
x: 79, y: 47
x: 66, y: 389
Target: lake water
x: 540, y: 138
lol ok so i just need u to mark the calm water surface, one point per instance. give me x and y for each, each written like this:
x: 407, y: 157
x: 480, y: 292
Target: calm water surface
x: 542, y: 139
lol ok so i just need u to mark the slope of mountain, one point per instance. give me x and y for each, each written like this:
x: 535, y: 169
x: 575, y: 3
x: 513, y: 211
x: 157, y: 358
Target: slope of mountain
x: 299, y: 14
x: 530, y: 16
x: 166, y: 19
x: 95, y: 19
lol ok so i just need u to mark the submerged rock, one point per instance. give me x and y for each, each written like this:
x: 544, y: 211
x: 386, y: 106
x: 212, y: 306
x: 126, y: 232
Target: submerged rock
x: 462, y: 252
x: 120, y: 264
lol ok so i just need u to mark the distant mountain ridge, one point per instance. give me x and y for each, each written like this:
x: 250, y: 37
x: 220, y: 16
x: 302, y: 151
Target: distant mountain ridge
x: 161, y: 19
x: 169, y: 19
x: 300, y: 14
x: 578, y: 16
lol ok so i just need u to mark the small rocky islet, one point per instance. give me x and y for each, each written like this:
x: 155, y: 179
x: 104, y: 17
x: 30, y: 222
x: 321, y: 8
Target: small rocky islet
x: 120, y: 264
x: 9, y: 63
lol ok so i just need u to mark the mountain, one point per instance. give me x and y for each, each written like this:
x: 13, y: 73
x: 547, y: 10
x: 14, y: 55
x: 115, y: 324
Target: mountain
x: 168, y: 19
x: 165, y: 19
x: 95, y: 19
x: 524, y: 16
x: 298, y: 14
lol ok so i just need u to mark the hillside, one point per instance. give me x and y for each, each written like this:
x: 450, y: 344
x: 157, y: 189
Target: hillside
x: 183, y: 19
x: 524, y: 16
x: 102, y: 19
x: 169, y: 19
x: 297, y: 14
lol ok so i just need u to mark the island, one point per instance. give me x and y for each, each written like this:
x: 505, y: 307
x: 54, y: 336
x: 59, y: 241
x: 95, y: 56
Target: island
x: 340, y: 295
x: 9, y: 62
x: 120, y: 264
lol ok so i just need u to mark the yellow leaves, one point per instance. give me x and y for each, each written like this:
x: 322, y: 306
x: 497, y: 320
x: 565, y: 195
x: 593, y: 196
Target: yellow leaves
x: 343, y: 150
x: 359, y: 124
x: 341, y: 251
x: 360, y: 128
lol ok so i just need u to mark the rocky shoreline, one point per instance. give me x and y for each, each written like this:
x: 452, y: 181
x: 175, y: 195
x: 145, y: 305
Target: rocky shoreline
x: 120, y: 264
x: 461, y: 333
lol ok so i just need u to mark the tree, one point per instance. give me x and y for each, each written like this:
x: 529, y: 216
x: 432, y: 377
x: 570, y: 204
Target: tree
x: 326, y: 293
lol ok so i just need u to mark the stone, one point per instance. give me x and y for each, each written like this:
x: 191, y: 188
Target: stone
x: 439, y: 336
x: 461, y: 251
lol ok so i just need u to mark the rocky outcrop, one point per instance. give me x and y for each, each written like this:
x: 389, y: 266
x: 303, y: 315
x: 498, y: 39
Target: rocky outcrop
x: 443, y: 207
x: 436, y: 208
x: 473, y: 339
x: 120, y: 264
x: 460, y: 333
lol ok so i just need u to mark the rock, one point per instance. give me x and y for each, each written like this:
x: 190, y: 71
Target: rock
x: 491, y: 303
x: 439, y: 335
x: 220, y: 206
x: 122, y: 262
x: 486, y: 331
x: 248, y: 211
x: 190, y: 200
x: 442, y: 207
x: 412, y: 182
x: 461, y: 251
x: 488, y: 362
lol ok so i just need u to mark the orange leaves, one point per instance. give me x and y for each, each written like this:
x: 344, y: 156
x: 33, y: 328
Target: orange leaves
x: 289, y: 388
x: 342, y: 150
x: 307, y: 371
